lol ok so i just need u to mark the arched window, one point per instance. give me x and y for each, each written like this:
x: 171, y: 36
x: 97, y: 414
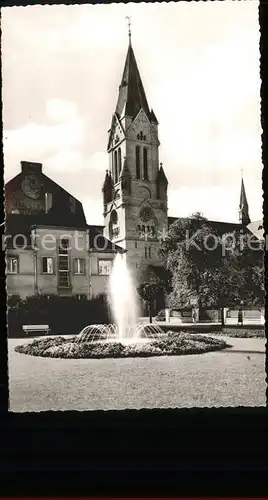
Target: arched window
x: 115, y: 168
x: 145, y: 164
x: 119, y: 162
x: 138, y: 163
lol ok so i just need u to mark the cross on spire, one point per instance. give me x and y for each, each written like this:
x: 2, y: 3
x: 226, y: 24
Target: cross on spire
x: 129, y: 30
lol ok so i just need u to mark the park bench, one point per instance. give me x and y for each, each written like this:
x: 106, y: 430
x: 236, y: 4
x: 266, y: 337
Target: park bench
x: 36, y: 328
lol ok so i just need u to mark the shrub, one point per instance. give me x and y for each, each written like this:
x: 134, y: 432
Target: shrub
x: 161, y: 316
x: 64, y: 315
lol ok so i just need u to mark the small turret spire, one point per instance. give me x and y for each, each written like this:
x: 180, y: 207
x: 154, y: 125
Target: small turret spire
x: 243, y: 204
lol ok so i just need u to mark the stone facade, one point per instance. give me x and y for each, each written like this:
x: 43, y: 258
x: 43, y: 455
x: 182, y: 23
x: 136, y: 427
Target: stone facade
x: 135, y: 209
x: 43, y: 267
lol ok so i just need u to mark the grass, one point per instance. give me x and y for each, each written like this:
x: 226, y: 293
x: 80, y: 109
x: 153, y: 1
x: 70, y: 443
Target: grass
x: 241, y: 332
x: 172, y: 344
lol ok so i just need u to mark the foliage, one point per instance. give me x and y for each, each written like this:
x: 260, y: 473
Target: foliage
x: 64, y: 315
x: 171, y: 344
x: 149, y: 291
x: 219, y: 270
x: 161, y: 315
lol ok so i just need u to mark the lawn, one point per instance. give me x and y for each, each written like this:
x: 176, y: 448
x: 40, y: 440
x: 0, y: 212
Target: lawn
x: 232, y: 377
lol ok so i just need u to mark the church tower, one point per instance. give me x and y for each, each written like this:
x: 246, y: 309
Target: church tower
x: 135, y: 187
x: 243, y: 206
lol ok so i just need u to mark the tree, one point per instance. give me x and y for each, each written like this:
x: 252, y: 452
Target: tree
x: 149, y: 291
x: 191, y: 251
x: 221, y: 270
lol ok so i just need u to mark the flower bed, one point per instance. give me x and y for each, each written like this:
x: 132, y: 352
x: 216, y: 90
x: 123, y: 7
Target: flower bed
x: 171, y: 344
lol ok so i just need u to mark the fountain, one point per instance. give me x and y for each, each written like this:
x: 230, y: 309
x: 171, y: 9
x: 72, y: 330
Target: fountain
x: 124, y: 306
x: 127, y: 337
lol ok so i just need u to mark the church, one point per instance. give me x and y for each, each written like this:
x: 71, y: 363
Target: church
x: 135, y: 198
x: 135, y: 210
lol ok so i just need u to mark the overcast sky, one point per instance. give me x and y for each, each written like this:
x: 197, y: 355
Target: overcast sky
x: 199, y: 63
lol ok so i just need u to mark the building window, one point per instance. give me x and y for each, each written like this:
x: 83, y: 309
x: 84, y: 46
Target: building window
x: 47, y: 265
x: 115, y: 167
x: 138, y: 163
x: 145, y: 252
x: 119, y: 162
x: 12, y: 265
x: 150, y: 255
x: 79, y: 266
x: 63, y: 263
x: 64, y: 245
x: 105, y: 267
x: 136, y: 244
x: 145, y: 164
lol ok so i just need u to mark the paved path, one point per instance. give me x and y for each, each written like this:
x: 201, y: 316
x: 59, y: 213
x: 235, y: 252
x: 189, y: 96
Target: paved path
x: 233, y: 377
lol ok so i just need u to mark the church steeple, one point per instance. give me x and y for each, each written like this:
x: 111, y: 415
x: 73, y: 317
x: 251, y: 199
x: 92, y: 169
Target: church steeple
x: 139, y: 194
x: 243, y: 206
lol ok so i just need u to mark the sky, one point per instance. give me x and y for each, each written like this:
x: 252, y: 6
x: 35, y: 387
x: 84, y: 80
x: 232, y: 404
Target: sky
x: 199, y: 62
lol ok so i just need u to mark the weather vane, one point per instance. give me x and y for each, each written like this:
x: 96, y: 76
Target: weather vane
x: 129, y: 24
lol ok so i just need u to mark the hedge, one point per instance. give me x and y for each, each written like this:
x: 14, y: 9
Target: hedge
x: 64, y: 315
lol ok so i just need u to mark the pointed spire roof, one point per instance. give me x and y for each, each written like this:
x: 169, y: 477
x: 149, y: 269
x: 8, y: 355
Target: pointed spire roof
x: 161, y: 177
x: 243, y: 197
x: 131, y: 92
x: 243, y: 205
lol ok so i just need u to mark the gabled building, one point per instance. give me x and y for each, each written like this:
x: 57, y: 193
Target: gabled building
x: 50, y: 248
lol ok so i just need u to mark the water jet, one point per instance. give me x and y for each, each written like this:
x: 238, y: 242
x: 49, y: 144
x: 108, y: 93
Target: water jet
x: 125, y: 311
